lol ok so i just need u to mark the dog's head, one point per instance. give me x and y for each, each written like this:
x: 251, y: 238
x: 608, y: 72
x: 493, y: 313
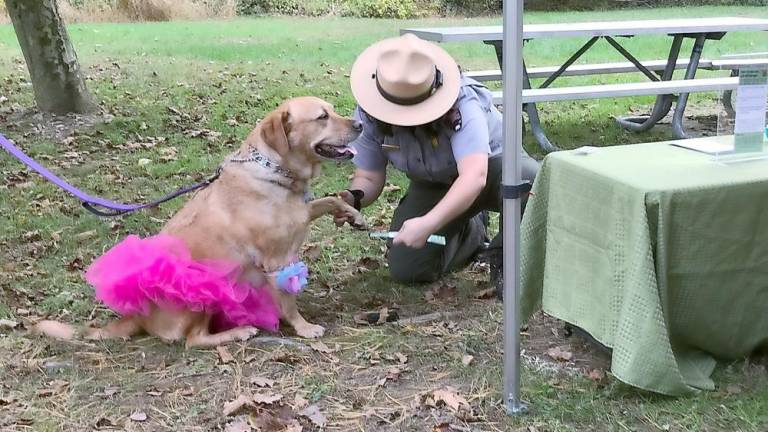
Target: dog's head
x: 305, y: 131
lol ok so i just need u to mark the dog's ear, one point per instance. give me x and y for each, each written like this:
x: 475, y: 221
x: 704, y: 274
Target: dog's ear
x: 274, y: 131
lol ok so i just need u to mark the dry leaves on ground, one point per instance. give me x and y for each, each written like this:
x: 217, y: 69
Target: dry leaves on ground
x: 262, y: 382
x: 313, y: 413
x: 267, y: 398
x: 55, y: 387
x: 8, y: 324
x: 236, y: 405
x: 321, y: 347
x: 450, y: 397
x: 486, y: 294
x: 383, y: 315
x: 138, y: 416
x: 560, y: 354
x: 224, y: 354
x: 393, y: 374
x: 440, y: 293
x: 596, y: 375
x: 238, y: 425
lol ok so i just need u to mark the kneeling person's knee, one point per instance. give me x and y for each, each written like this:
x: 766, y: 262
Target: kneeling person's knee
x: 407, y: 267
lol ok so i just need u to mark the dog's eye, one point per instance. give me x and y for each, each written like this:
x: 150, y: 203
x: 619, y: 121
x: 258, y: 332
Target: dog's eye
x: 323, y: 116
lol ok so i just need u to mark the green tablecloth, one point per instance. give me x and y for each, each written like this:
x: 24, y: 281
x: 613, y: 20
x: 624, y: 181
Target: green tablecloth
x: 655, y: 250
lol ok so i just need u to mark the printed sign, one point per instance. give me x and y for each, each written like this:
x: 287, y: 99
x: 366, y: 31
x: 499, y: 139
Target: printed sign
x: 751, y: 98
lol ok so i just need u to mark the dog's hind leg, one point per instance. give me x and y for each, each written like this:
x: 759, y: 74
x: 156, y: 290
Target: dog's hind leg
x: 200, y: 337
x: 55, y: 329
x: 124, y: 328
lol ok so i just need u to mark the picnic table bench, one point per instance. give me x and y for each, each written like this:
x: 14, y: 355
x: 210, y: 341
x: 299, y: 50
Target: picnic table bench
x: 661, y: 82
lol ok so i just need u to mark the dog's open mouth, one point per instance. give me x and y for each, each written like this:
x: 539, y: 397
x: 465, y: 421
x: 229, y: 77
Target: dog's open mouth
x: 334, y: 152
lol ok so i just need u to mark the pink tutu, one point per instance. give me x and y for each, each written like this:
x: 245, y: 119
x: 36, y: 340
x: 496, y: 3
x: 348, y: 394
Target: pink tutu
x: 137, y: 273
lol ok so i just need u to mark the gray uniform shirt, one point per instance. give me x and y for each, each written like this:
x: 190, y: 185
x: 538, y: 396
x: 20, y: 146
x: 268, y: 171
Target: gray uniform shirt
x: 415, y: 152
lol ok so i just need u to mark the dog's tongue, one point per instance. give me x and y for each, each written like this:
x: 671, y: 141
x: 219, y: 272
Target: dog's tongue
x: 349, y: 149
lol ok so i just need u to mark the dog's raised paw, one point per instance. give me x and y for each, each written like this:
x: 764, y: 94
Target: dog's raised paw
x: 358, y: 221
x: 310, y: 331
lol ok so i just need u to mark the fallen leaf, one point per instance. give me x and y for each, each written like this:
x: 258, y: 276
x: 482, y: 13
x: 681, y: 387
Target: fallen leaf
x: 294, y: 427
x: 8, y: 324
x: 313, y: 413
x: 440, y: 292
x: 138, y: 416
x: 383, y: 315
x: 76, y: 264
x: 33, y: 235
x: 467, y: 360
x: 366, y: 263
x: 56, y: 386
x: 168, y: 154
x: 401, y: 357
x: 560, y: 354
x: 110, y: 390
x: 442, y: 427
x: 451, y: 398
x: 390, y: 188
x: 234, y: 406
x: 733, y: 389
x: 238, y: 425
x: 486, y: 294
x: 104, y: 423
x: 312, y: 252
x: 321, y: 347
x: 144, y: 161
x: 393, y: 374
x: 299, y: 402
x: 267, y: 398
x: 262, y: 382
x: 596, y: 375
x: 224, y: 354
x: 85, y: 235
x: 273, y: 421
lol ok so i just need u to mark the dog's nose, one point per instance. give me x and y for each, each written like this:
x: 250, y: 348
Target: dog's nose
x: 357, y: 126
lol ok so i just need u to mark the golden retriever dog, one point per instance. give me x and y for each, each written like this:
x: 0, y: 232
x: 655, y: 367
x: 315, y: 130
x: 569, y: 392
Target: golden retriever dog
x: 255, y: 215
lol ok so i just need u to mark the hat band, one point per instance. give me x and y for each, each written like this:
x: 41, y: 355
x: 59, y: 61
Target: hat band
x: 413, y: 100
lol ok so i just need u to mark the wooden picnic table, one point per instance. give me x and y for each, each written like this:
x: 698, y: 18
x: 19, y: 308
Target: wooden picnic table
x: 699, y: 29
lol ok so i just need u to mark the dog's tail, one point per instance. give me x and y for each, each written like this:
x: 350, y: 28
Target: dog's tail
x: 55, y: 329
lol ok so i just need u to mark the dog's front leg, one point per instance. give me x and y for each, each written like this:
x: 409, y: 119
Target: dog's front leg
x: 289, y: 312
x: 332, y: 204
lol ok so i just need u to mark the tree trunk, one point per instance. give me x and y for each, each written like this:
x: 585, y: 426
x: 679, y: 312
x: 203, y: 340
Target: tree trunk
x: 52, y: 63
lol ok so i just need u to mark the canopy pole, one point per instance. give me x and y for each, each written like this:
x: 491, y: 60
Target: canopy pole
x: 513, y: 87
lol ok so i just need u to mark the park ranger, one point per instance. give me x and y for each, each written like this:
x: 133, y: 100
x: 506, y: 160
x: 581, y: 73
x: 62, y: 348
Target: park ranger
x: 420, y: 114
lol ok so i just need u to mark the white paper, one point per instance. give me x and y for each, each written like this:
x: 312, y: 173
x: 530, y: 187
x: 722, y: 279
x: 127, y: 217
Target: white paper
x: 750, y: 108
x: 709, y: 147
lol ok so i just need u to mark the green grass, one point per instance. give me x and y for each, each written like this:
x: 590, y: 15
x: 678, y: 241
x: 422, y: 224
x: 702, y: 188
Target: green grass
x: 224, y: 76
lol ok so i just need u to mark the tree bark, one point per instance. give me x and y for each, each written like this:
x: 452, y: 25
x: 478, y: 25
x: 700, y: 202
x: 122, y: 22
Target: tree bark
x: 51, y: 60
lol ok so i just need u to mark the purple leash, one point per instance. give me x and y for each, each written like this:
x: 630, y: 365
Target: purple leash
x: 91, y: 203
